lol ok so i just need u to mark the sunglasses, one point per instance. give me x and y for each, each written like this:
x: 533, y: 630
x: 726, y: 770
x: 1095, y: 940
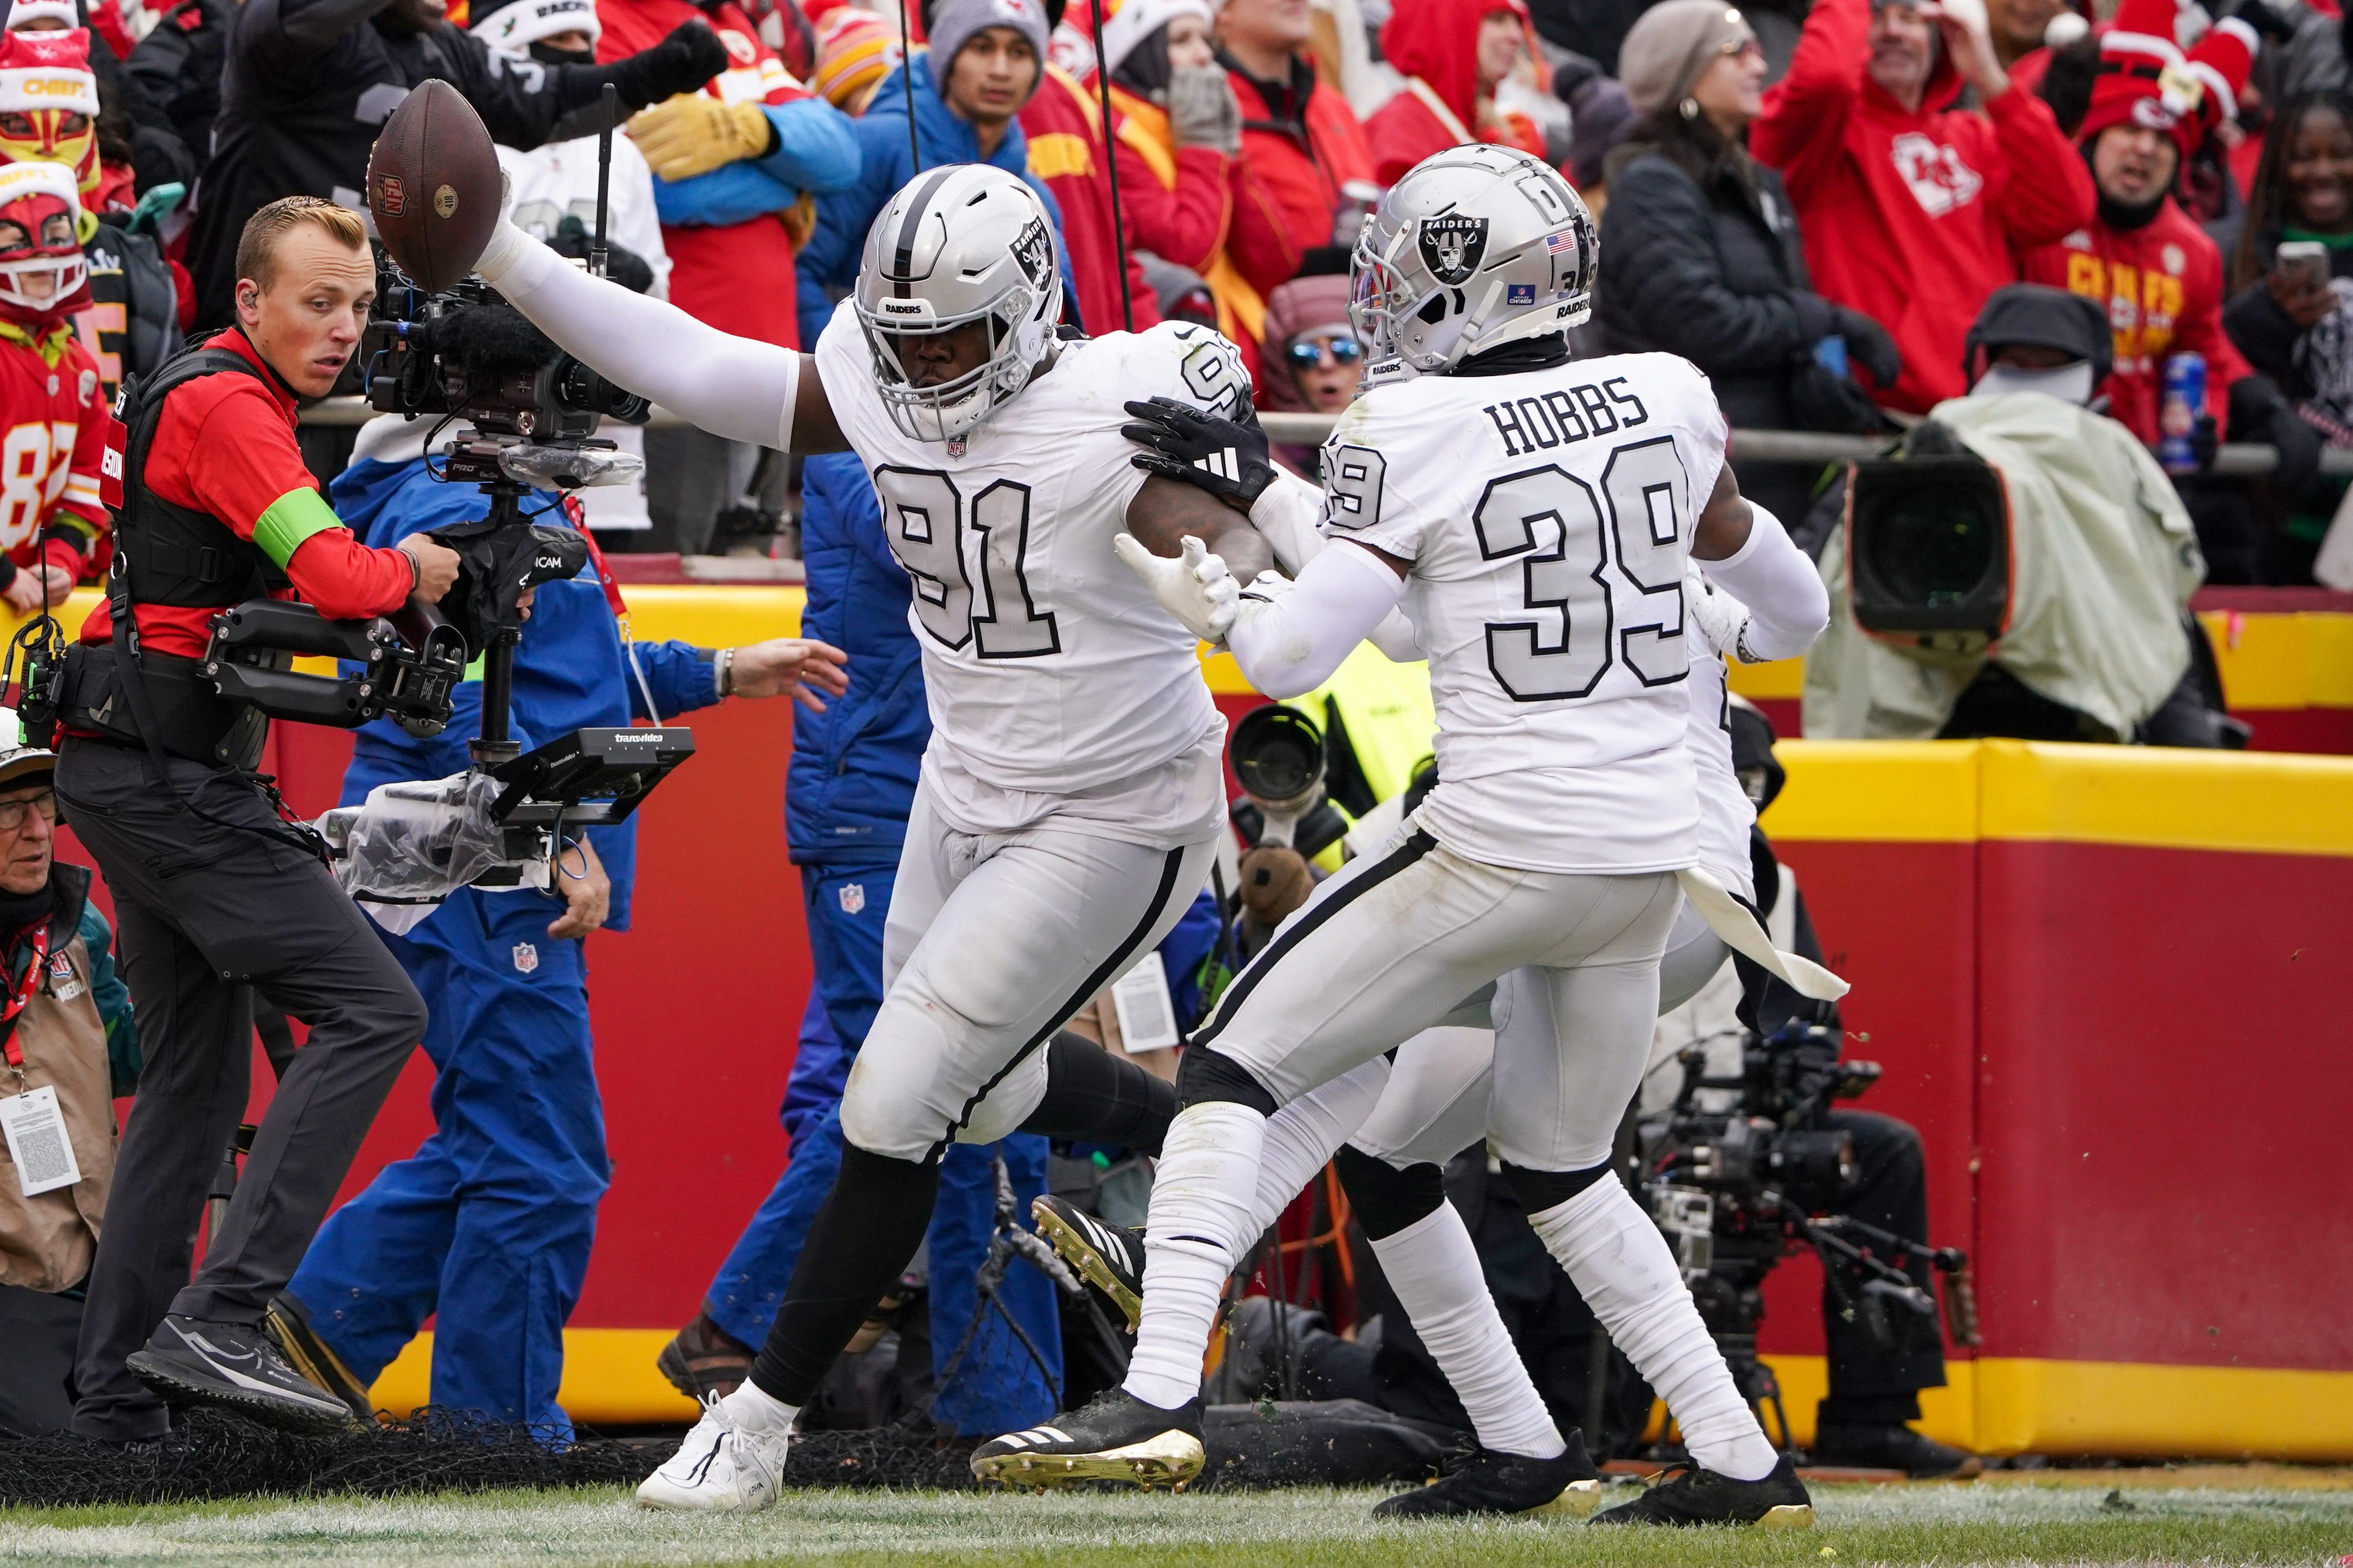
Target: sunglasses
x: 1307, y: 355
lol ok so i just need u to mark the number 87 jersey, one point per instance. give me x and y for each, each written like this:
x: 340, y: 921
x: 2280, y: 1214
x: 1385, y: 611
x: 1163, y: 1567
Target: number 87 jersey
x: 1548, y: 515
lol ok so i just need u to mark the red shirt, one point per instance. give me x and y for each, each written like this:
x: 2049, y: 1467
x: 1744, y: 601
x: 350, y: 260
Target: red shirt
x: 2160, y: 286
x: 738, y: 279
x: 1060, y: 124
x: 1911, y: 215
x: 225, y: 446
x: 53, y: 428
x: 1291, y: 184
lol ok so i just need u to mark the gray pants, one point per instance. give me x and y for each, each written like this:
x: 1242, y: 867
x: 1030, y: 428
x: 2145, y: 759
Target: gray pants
x: 209, y: 917
x: 992, y: 944
x: 1388, y: 947
x: 691, y: 475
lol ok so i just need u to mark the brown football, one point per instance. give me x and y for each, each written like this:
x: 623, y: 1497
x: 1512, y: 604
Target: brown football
x: 433, y: 185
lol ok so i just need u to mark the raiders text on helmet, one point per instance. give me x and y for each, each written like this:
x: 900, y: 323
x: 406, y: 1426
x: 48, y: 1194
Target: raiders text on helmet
x: 961, y: 244
x: 1475, y: 248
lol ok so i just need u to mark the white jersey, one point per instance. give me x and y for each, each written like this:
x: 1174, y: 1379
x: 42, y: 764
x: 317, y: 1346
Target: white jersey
x: 1547, y: 516
x: 1058, y: 686
x: 559, y: 181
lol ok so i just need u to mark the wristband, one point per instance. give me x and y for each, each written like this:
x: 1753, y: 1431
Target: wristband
x: 722, y: 672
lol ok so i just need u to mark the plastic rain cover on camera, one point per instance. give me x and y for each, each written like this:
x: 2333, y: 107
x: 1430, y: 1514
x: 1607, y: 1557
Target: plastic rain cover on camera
x: 411, y: 844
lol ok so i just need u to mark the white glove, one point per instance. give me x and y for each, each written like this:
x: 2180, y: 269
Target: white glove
x: 508, y: 244
x: 1197, y: 588
x: 1724, y: 618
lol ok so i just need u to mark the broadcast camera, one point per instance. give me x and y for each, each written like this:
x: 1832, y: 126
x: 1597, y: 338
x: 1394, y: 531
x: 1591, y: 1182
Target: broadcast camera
x: 1737, y: 1173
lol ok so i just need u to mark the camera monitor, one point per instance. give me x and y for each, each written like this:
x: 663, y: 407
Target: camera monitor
x: 1928, y: 545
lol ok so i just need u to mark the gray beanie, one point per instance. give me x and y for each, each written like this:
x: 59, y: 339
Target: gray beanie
x: 1670, y: 47
x: 953, y: 24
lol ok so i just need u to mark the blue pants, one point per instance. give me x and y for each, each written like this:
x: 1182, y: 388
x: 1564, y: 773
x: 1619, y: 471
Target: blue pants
x: 997, y: 1388
x: 489, y: 1224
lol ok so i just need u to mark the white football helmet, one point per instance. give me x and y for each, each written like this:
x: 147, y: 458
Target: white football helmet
x: 958, y: 244
x: 1475, y: 246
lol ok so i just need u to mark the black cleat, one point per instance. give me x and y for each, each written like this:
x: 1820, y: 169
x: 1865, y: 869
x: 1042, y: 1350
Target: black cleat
x: 1486, y: 1482
x: 1893, y: 1447
x: 1108, y: 1257
x: 1695, y: 1495
x: 289, y: 1323
x: 192, y: 1362
x: 1117, y: 1438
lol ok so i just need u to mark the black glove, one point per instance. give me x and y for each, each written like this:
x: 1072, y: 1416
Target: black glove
x: 1224, y: 457
x: 681, y: 62
x: 623, y: 266
x: 2205, y: 440
x: 1868, y: 345
x: 2299, y: 447
x: 2270, y: 19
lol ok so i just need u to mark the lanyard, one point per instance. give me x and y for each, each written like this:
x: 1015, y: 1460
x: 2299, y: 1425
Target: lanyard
x: 22, y: 993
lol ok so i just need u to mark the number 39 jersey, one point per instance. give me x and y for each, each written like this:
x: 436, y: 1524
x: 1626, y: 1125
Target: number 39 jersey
x: 1051, y: 670
x: 1548, y: 515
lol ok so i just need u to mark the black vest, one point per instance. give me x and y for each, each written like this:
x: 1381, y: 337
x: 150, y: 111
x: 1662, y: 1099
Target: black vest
x: 176, y: 555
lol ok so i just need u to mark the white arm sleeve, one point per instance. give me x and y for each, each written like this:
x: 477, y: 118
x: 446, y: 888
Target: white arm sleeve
x: 1787, y: 605
x: 1287, y: 513
x: 732, y: 386
x: 1289, y: 637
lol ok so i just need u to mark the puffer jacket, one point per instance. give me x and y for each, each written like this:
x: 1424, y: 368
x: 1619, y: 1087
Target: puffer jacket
x: 1713, y: 273
x: 852, y: 779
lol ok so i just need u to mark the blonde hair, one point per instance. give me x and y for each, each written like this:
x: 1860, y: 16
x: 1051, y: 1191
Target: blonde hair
x: 257, y: 248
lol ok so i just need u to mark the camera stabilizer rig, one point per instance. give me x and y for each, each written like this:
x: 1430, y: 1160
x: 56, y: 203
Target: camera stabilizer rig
x: 1737, y: 1189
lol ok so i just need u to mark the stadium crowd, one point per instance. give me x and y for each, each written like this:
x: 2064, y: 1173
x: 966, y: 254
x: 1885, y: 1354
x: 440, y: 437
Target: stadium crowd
x: 1813, y: 204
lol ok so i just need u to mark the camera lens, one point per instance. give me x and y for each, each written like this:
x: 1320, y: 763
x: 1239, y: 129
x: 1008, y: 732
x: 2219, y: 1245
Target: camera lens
x: 1278, y: 754
x: 1926, y: 550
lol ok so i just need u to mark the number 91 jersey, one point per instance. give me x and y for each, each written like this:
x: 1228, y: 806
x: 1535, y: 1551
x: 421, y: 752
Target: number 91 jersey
x: 1050, y: 669
x: 1548, y: 515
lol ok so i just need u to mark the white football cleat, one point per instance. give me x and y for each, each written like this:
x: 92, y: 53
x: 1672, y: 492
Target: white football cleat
x: 722, y: 1468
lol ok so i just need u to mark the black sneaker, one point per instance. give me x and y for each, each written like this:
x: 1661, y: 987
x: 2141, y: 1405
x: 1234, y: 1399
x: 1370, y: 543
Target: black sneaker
x: 1485, y: 1481
x: 1117, y: 1438
x: 1108, y: 1257
x: 1694, y: 1496
x: 193, y: 1362
x: 703, y: 1359
x: 288, y: 1323
x: 1892, y: 1447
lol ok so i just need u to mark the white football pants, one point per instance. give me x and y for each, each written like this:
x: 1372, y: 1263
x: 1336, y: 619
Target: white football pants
x: 993, y: 943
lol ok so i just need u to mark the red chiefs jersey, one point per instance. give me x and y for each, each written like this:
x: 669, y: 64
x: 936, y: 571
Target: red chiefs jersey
x: 53, y: 425
x: 2161, y: 288
x: 738, y: 279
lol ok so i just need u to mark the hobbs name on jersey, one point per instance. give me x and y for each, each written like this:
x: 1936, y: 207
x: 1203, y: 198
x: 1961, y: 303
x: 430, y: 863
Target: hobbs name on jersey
x: 1563, y: 417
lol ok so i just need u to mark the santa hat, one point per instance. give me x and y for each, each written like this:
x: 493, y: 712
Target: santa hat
x: 515, y: 28
x: 47, y: 70
x: 855, y: 50
x: 24, y: 13
x: 2145, y: 77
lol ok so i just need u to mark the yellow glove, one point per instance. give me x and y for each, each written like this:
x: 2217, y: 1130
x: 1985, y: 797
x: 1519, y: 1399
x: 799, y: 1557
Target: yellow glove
x: 694, y: 133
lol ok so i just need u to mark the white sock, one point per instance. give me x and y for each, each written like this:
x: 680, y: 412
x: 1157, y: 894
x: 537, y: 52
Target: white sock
x: 1200, y: 1221
x: 754, y: 1409
x: 1434, y: 1270
x: 1301, y: 1138
x: 1623, y: 1269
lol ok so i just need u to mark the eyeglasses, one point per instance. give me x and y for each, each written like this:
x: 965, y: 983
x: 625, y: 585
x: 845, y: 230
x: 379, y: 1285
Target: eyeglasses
x: 12, y: 812
x: 1307, y: 354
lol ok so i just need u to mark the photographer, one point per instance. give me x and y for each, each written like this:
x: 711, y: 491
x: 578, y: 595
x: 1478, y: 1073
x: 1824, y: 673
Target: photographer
x: 487, y: 1226
x: 218, y: 900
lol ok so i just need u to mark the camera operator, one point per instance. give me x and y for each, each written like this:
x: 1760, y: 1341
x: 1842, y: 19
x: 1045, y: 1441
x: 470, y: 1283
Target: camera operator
x: 1874, y: 1386
x: 2032, y: 578
x: 487, y: 1226
x: 218, y: 898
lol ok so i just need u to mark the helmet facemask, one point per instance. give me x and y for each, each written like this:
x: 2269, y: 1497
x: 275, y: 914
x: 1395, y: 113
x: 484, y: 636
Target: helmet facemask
x: 946, y: 409
x: 43, y: 274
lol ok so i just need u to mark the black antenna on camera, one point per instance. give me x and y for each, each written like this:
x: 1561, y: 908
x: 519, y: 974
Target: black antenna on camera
x: 1110, y: 171
x: 597, y: 250
x: 907, y: 81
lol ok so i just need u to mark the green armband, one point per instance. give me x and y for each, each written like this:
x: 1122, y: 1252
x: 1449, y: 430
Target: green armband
x: 291, y: 518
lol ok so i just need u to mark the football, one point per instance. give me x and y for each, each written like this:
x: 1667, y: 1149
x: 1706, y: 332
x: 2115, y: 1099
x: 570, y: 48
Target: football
x: 433, y: 185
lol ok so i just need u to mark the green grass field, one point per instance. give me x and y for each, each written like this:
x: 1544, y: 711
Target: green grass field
x: 2209, y: 1515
